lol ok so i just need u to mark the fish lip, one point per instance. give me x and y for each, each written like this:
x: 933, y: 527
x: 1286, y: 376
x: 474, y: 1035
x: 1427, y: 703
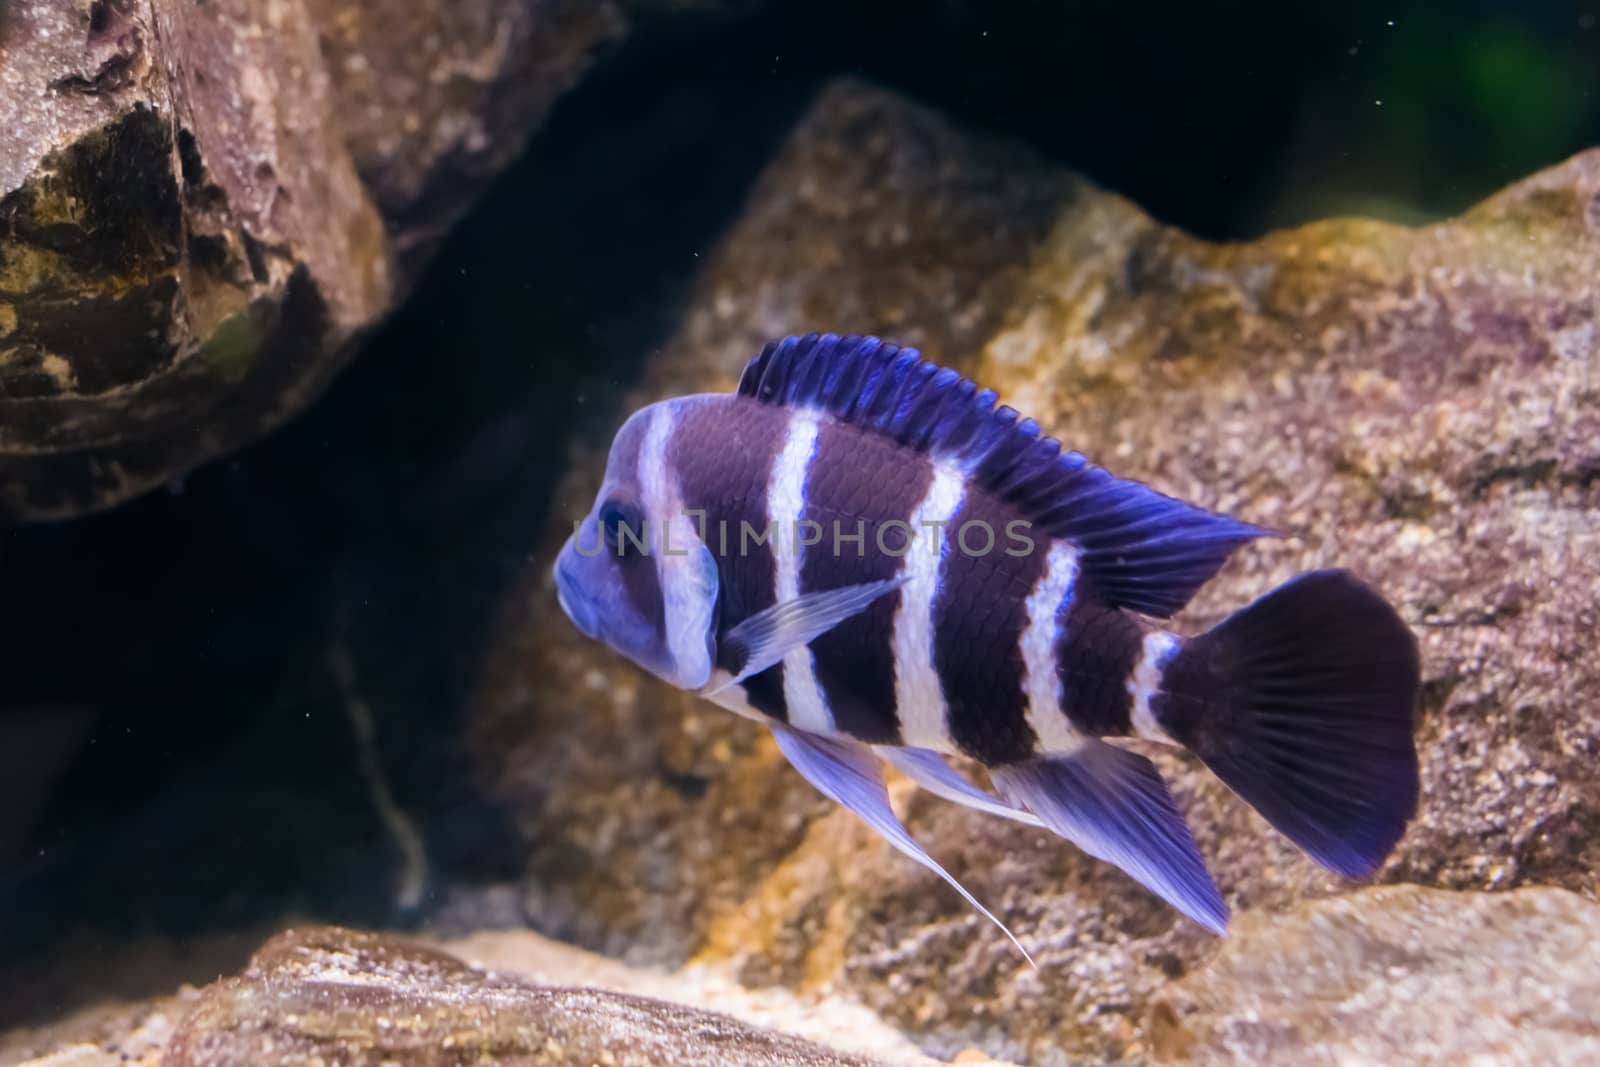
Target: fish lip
x: 572, y: 602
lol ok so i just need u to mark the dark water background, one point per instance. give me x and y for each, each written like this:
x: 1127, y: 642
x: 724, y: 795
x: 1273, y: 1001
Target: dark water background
x: 175, y: 653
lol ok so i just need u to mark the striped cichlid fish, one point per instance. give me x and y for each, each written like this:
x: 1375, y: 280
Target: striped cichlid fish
x: 864, y: 553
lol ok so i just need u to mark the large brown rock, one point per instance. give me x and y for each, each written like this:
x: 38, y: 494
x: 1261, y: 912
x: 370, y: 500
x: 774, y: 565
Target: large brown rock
x: 1416, y: 404
x: 327, y: 995
x: 203, y: 208
x: 357, y: 998
x: 435, y: 97
x: 185, y: 247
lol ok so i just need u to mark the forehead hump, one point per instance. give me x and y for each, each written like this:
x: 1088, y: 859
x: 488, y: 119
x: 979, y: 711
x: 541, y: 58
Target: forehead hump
x: 627, y: 447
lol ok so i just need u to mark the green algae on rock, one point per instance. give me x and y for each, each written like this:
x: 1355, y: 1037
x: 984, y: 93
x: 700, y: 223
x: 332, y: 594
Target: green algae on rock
x: 1415, y: 404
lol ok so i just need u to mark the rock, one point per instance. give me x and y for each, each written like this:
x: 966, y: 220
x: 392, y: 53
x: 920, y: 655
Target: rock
x: 186, y: 249
x: 331, y: 995
x: 202, y: 213
x: 111, y: 1034
x: 354, y: 982
x: 835, y: 1022
x: 436, y: 98
x: 1416, y: 404
x: 1392, y: 975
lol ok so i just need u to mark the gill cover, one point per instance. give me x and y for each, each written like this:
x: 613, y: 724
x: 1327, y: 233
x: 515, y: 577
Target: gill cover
x: 689, y: 588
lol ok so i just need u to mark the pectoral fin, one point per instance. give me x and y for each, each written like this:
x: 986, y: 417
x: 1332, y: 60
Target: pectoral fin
x: 848, y: 774
x: 767, y: 636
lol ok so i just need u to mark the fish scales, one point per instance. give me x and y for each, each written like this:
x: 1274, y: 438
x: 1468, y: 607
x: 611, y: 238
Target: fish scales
x: 727, y: 484
x: 860, y: 484
x: 1097, y: 653
x: 979, y: 618
x: 979, y: 613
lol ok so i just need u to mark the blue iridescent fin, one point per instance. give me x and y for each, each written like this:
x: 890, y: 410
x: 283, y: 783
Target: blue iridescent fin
x: 1113, y: 804
x: 847, y: 773
x: 767, y: 636
x: 1304, y: 703
x: 1141, y: 550
x: 929, y: 770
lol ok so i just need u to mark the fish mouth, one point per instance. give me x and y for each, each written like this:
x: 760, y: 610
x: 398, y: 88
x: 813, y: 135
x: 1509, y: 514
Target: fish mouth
x: 577, y: 608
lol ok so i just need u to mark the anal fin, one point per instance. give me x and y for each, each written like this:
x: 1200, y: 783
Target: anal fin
x: 1113, y: 804
x: 848, y: 774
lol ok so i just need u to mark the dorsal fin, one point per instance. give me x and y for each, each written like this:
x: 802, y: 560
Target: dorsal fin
x: 1141, y: 550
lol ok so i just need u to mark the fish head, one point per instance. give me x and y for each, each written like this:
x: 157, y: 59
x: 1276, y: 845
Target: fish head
x: 635, y: 574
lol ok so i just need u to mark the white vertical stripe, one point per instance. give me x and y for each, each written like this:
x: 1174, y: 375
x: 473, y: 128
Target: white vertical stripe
x: 655, y: 482
x: 807, y: 708
x: 1041, y: 682
x: 918, y: 693
x: 1146, y: 679
x: 687, y: 602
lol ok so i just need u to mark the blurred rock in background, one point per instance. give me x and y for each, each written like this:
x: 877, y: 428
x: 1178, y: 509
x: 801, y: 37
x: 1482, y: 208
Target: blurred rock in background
x: 324, y: 675
x: 201, y: 211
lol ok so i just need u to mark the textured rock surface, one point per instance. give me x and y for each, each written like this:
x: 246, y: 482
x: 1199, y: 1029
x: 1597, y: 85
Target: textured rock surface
x: 436, y: 97
x: 1417, y: 404
x: 455, y: 985
x: 1396, y: 975
x: 201, y: 210
x: 115, y: 1034
x: 185, y: 246
x: 337, y: 996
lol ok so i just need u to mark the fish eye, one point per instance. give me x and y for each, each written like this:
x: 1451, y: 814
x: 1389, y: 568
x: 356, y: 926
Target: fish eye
x: 620, y: 524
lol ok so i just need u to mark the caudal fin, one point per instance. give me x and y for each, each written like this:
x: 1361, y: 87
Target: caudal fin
x: 1303, y: 704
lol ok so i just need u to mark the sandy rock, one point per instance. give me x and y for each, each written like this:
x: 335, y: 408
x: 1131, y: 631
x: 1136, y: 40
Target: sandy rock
x: 451, y: 986
x: 114, y: 1033
x: 1416, y: 404
x: 833, y: 1021
x: 338, y: 996
x: 1396, y: 975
